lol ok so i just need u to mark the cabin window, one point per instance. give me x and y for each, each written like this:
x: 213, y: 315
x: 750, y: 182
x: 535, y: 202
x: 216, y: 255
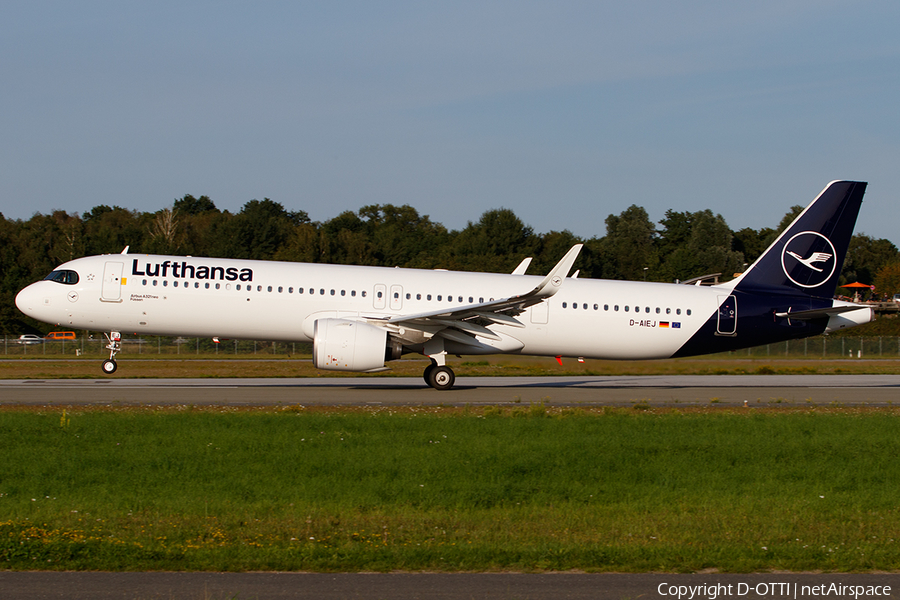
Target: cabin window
x: 418, y: 296
x: 280, y: 289
x: 471, y: 300
x: 677, y: 311
x: 616, y: 308
x: 647, y: 310
x: 218, y: 286
x: 353, y: 293
x: 154, y: 283
x: 657, y: 310
x: 408, y: 296
x: 565, y: 305
x: 321, y: 292
x: 668, y: 311
x: 606, y: 307
x: 380, y: 295
x: 332, y: 292
x: 481, y: 300
x: 688, y: 312
x: 363, y: 293
x: 627, y: 308
x: 596, y: 307
x: 290, y: 290
x: 440, y: 298
x: 343, y: 292
x: 206, y: 285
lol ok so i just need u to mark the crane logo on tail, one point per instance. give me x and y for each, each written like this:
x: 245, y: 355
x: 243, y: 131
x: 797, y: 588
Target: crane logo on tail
x: 808, y: 259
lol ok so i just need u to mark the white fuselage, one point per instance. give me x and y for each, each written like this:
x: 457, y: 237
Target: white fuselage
x: 280, y: 301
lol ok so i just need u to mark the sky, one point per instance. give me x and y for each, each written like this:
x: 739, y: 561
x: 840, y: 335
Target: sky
x: 564, y: 112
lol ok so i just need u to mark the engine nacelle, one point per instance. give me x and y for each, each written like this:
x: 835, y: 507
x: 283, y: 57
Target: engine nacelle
x: 346, y: 345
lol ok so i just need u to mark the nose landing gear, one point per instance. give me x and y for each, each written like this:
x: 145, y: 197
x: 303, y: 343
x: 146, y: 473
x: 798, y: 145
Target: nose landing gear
x: 109, y: 366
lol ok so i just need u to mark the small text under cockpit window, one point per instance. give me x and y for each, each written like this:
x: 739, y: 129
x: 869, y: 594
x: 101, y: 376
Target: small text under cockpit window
x: 63, y: 276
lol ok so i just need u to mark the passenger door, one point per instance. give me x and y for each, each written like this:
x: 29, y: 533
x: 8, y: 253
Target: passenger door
x: 112, y: 282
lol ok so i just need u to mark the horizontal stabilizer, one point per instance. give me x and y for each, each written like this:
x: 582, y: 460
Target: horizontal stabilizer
x: 819, y: 313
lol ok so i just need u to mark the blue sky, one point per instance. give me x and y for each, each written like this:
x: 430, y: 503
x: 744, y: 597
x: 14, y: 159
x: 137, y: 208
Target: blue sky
x: 564, y: 112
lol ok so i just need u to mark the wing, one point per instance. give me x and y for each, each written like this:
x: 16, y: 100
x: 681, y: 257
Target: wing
x: 462, y: 323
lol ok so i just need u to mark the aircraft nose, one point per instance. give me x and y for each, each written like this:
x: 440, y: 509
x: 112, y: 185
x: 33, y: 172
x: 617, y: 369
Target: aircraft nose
x: 28, y: 300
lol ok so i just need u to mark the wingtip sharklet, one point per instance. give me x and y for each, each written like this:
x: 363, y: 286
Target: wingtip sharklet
x: 553, y: 281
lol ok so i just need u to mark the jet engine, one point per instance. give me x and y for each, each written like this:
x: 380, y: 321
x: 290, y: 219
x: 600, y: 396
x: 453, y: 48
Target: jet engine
x: 346, y: 345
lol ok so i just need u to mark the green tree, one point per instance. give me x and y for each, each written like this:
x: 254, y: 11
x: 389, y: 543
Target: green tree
x: 399, y: 237
x: 258, y: 232
x: 695, y: 244
x: 344, y: 240
x: 188, y: 205
x: 496, y: 243
x: 629, y: 247
x: 887, y: 280
x: 109, y: 230
x: 165, y: 233
x: 752, y: 243
x: 865, y: 257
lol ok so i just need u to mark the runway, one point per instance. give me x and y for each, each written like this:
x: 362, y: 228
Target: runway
x: 660, y: 390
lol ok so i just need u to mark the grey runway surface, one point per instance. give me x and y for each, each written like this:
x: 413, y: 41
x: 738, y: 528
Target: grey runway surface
x: 662, y: 390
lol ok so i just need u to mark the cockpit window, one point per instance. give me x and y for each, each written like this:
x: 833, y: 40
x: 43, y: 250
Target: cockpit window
x: 63, y: 276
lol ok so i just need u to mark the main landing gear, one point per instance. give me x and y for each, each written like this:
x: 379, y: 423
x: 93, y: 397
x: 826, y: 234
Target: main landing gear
x: 109, y: 366
x: 440, y: 377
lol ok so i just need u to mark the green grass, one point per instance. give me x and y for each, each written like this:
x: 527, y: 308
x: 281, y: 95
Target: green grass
x: 529, y: 488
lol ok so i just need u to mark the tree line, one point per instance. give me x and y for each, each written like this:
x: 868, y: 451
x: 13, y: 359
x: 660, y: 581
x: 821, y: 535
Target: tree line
x: 681, y: 246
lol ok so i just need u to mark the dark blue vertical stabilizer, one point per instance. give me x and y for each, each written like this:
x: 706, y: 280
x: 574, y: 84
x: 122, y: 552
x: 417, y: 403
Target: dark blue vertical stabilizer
x: 807, y: 257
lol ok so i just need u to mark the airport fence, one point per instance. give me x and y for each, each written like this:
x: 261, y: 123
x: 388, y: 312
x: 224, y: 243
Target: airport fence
x: 815, y: 347
x: 154, y: 346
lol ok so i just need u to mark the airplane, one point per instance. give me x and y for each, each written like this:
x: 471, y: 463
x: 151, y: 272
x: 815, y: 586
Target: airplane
x: 360, y: 318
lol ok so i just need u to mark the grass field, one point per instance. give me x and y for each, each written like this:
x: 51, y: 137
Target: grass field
x: 450, y: 489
